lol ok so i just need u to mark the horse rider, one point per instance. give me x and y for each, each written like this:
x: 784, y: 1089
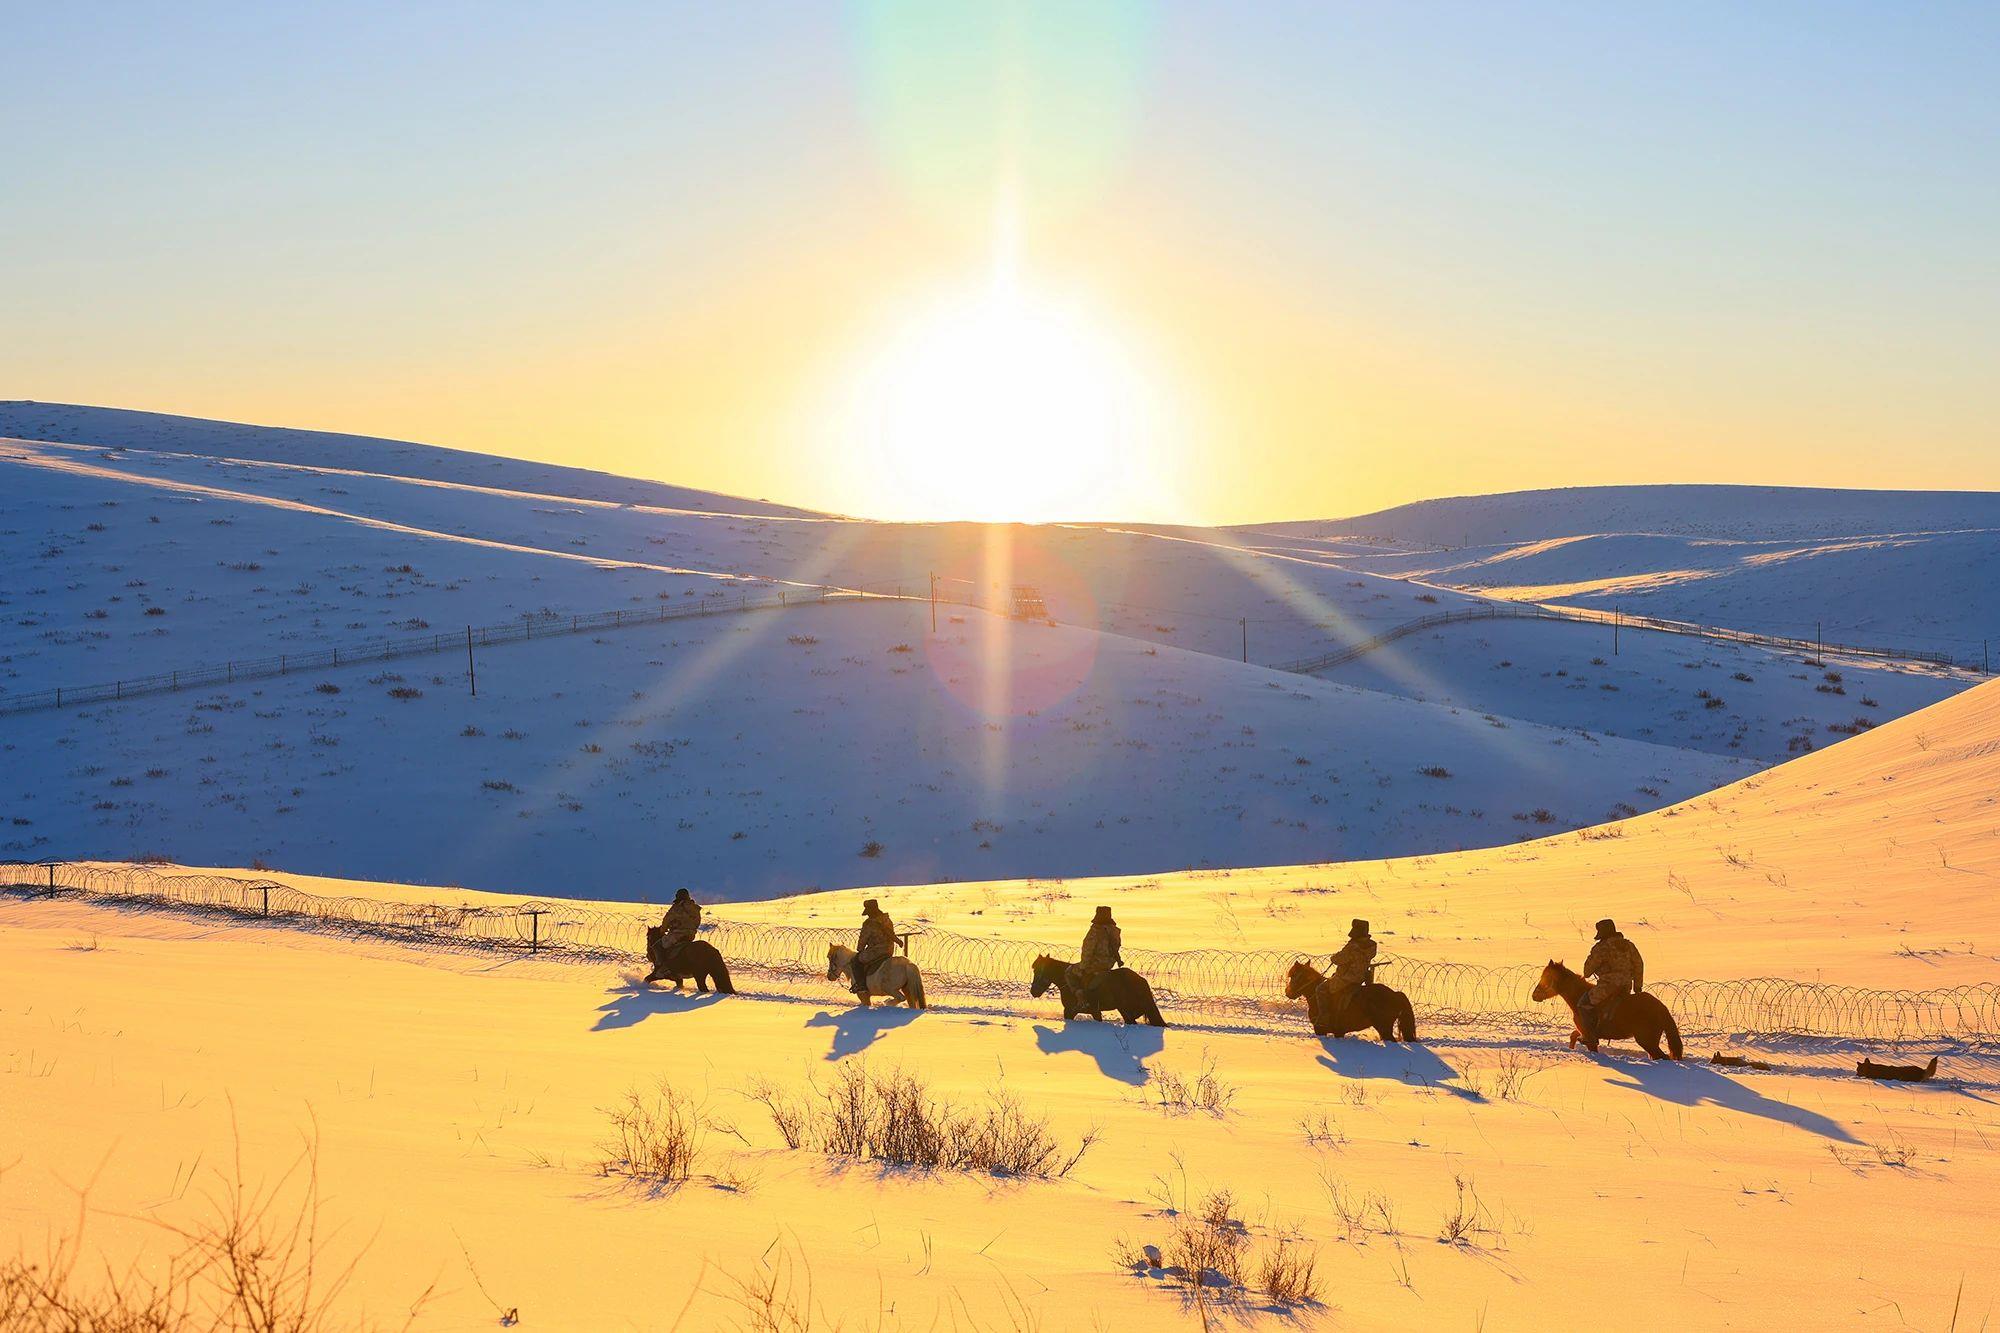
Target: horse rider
x: 1615, y: 965
x: 682, y: 920
x: 876, y: 943
x: 1350, y: 967
x: 1103, y: 949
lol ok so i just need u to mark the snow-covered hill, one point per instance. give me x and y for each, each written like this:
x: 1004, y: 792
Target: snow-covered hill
x: 1869, y: 864
x: 136, y: 561
x: 1901, y: 569
x: 1750, y: 513
x: 756, y: 754
x: 160, y: 432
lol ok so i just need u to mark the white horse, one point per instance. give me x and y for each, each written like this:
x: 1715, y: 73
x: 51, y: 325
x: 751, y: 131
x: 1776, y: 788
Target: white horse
x: 896, y: 978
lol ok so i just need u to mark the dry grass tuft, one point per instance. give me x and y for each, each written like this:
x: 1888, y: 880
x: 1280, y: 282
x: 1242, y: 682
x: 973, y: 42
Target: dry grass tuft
x: 893, y: 1117
x: 1204, y: 1091
x: 655, y: 1137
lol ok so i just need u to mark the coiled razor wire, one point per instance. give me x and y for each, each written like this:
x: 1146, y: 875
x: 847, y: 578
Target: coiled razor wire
x: 1442, y: 993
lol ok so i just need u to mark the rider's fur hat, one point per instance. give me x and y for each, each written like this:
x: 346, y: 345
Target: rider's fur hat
x: 870, y: 906
x: 1606, y: 928
x: 1358, y: 927
x: 1103, y: 914
x: 680, y: 894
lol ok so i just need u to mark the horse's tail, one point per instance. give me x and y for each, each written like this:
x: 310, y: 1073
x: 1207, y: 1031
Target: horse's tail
x: 721, y: 976
x: 917, y: 989
x: 1406, y: 1018
x: 1151, y: 1013
x: 1673, y: 1033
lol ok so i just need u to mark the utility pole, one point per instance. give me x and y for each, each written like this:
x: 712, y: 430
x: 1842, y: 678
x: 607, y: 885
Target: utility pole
x: 933, y: 601
x: 1245, y: 622
x: 471, y: 672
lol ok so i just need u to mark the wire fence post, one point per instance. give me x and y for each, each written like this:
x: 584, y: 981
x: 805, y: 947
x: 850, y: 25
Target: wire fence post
x: 471, y: 669
x: 534, y: 915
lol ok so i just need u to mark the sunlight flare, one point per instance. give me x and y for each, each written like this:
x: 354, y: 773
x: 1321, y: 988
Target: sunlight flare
x: 1009, y: 404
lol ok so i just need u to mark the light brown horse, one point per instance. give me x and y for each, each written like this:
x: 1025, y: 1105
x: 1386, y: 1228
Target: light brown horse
x: 1370, y: 1005
x: 895, y: 977
x: 1640, y: 1017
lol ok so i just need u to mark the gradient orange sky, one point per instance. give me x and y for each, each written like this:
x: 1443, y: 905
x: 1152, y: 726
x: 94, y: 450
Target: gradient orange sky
x: 1353, y: 256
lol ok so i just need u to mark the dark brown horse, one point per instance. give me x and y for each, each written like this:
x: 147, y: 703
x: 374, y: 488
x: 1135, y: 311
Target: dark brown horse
x: 1370, y: 1005
x: 1121, y: 988
x: 697, y: 958
x: 1640, y: 1017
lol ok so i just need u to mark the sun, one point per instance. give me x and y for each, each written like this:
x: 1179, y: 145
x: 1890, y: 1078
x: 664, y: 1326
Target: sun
x: 1004, y: 404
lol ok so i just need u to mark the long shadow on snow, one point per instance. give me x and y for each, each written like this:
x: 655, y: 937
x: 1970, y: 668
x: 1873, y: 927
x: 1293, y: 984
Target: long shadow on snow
x: 856, y: 1029
x: 628, y: 1007
x: 1700, y: 1085
x: 1352, y: 1057
x: 1121, y: 1052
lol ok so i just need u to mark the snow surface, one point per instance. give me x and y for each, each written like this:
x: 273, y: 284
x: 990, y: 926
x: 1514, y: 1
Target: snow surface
x: 459, y: 1108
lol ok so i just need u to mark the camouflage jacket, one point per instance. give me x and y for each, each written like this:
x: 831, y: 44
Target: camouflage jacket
x: 878, y: 938
x: 1350, y: 965
x: 1616, y: 960
x: 683, y: 919
x: 1101, y: 946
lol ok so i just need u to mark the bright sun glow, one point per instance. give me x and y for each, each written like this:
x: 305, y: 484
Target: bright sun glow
x: 1010, y: 405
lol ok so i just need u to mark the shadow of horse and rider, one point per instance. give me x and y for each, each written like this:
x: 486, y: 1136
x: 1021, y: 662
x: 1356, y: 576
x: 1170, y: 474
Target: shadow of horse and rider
x: 1121, y: 1052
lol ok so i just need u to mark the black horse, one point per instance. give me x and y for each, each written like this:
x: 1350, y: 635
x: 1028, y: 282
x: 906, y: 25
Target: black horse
x: 1121, y: 988
x: 696, y: 958
x: 1371, y: 1005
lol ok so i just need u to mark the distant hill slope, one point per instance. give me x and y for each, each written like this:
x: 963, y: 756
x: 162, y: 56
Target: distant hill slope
x: 1872, y: 864
x: 73, y: 424
x: 1739, y: 512
x: 1904, y: 569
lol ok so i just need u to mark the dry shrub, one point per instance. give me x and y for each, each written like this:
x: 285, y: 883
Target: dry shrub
x: 1208, y: 1244
x: 1204, y: 1091
x: 655, y: 1137
x: 1508, y: 1077
x: 1214, y: 1256
x: 893, y: 1117
x: 258, y: 1262
x: 1468, y: 1218
x: 1322, y: 1131
x: 1288, y: 1272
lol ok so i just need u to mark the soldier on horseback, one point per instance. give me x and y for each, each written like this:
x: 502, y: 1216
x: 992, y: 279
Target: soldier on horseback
x: 1103, y: 946
x: 1615, y: 965
x: 682, y: 921
x: 1351, y: 967
x: 876, y: 944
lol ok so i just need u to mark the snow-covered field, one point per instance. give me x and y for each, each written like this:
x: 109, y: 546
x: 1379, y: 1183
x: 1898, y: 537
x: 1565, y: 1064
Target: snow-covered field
x: 735, y: 755
x: 459, y: 1113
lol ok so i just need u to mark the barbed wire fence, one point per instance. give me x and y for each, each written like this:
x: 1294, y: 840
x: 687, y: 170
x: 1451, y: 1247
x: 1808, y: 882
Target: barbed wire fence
x: 751, y: 595
x: 1223, y: 981
x: 1619, y: 620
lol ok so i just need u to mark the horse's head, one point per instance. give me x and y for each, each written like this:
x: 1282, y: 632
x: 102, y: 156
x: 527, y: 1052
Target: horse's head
x: 1550, y: 985
x: 1046, y: 969
x: 835, y: 964
x: 1302, y: 978
x: 653, y: 934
